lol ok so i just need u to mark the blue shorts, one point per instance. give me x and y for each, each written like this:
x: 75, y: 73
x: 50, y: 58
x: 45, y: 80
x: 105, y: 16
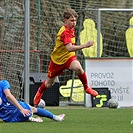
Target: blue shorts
x: 17, y: 116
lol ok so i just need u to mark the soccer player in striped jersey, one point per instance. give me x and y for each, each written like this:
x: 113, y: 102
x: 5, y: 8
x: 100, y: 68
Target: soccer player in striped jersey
x: 64, y: 57
x: 12, y: 110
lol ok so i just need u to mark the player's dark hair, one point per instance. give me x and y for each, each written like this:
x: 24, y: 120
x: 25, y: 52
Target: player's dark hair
x: 70, y: 12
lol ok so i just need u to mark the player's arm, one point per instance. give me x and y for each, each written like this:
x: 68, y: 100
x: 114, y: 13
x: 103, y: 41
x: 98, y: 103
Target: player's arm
x: 13, y: 100
x: 70, y: 47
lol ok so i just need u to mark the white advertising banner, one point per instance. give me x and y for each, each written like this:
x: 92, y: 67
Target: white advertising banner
x: 116, y: 74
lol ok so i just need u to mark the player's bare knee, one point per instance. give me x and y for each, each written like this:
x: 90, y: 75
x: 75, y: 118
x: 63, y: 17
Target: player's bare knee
x: 34, y: 110
x: 79, y: 70
x: 48, y: 85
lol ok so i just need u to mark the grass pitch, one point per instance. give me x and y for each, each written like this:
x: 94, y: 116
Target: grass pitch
x: 77, y: 120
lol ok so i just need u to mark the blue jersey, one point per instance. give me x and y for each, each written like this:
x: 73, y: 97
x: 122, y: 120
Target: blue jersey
x: 8, y: 112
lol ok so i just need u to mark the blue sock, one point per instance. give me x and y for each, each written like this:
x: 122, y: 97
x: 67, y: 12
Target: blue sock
x: 44, y: 113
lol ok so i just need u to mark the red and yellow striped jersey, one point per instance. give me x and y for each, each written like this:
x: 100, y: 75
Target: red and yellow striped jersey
x: 60, y: 54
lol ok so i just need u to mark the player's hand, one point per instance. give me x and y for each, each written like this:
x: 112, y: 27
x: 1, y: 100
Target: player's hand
x: 89, y: 44
x: 25, y: 112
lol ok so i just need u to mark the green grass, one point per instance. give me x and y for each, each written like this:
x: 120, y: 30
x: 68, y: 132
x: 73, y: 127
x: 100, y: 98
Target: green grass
x: 77, y: 120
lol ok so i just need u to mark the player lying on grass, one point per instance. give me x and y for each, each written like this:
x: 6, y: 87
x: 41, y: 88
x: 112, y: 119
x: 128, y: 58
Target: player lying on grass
x: 12, y: 110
